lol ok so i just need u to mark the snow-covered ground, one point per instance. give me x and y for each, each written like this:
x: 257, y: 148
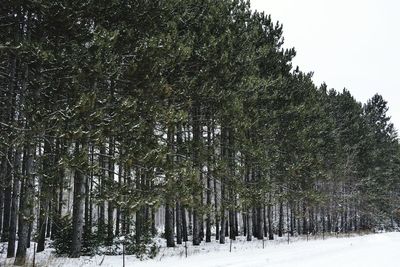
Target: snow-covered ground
x: 364, y: 251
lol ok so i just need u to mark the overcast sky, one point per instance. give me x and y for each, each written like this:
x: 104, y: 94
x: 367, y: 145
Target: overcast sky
x: 352, y: 44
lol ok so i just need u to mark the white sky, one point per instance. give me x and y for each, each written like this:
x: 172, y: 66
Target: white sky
x: 352, y: 44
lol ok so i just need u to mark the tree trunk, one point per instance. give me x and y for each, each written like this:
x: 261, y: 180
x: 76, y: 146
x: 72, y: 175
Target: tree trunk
x: 292, y: 220
x: 102, y: 185
x: 178, y: 223
x: 270, y: 223
x: 248, y: 228
x: 110, y: 206
x: 208, y: 189
x: 14, y: 204
x: 44, y: 195
x: 305, y: 225
x: 87, y: 226
x: 323, y: 222
x: 78, y: 202
x: 265, y: 221
x: 138, y: 226
x: 49, y: 221
x: 254, y: 222
x: 59, y: 187
x: 169, y: 226
x: 7, y: 200
x: 280, y: 228
x: 10, y: 114
x: 169, y: 205
x: 26, y: 209
x: 260, y: 216
x: 217, y: 230
x: 196, y: 228
x: 222, y: 233
x: 184, y: 225
x: 3, y: 170
x: 118, y: 215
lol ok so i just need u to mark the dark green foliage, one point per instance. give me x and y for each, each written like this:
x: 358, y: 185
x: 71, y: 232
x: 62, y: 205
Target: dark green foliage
x: 189, y: 106
x: 142, y: 248
x: 63, y: 238
x: 92, y: 241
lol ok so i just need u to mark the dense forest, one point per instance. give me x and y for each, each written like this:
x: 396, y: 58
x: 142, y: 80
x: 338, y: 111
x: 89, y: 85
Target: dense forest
x: 115, y: 113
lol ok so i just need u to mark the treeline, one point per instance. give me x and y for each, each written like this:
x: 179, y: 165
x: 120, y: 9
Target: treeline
x: 114, y: 110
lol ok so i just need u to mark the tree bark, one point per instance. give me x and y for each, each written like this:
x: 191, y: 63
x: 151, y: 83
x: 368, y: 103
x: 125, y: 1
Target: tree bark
x: 169, y: 211
x: 102, y: 182
x: 110, y: 206
x: 217, y: 230
x: 7, y: 201
x: 14, y: 204
x: 184, y: 225
x: 208, y: 189
x: 280, y: 227
x: 44, y: 196
x: 270, y: 222
x: 78, y: 202
x: 3, y: 170
x: 260, y: 216
x: 26, y: 209
x: 248, y: 228
x: 169, y: 226
x: 197, y: 216
x: 305, y: 225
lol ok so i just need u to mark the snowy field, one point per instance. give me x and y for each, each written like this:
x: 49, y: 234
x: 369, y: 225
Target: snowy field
x: 358, y: 251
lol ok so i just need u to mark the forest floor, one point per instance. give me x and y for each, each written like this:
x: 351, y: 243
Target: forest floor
x: 364, y: 251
